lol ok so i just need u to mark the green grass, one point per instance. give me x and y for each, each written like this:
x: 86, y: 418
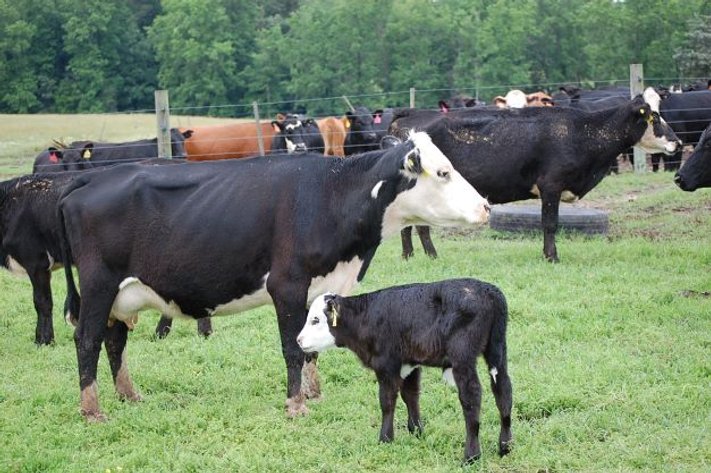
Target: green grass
x: 608, y: 353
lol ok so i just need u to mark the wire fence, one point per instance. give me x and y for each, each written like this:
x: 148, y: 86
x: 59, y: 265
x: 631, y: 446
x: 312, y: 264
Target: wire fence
x: 426, y: 99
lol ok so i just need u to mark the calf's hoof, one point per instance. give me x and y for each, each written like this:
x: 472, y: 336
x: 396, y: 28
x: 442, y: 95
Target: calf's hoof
x: 42, y: 341
x: 130, y: 397
x: 469, y: 460
x: 295, y: 407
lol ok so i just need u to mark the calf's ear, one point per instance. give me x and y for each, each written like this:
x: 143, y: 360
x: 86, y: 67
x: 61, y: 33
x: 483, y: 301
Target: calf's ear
x: 87, y: 151
x: 187, y: 134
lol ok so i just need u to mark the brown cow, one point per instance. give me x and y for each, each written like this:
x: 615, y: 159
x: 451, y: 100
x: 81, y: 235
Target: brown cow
x: 235, y: 140
x: 333, y: 131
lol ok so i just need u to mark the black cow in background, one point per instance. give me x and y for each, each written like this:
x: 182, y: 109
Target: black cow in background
x: 688, y: 113
x: 696, y: 171
x: 86, y: 154
x: 551, y: 153
x: 361, y: 135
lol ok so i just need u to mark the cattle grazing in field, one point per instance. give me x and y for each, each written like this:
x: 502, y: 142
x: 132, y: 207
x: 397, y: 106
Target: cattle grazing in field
x: 252, y: 232
x: 394, y: 331
x: 696, y: 171
x: 86, y: 154
x: 361, y: 135
x: 688, y: 114
x: 551, y: 153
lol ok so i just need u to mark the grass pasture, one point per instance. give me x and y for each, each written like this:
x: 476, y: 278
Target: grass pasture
x: 608, y: 351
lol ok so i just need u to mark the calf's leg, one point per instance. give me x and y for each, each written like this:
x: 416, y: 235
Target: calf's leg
x: 410, y: 393
x: 388, y: 387
x: 469, y: 389
x: 204, y: 326
x: 164, y: 326
x: 550, y: 203
x: 501, y: 387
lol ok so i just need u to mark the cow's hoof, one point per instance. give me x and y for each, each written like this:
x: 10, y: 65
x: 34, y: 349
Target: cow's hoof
x: 295, y: 407
x: 504, y: 448
x: 42, y: 341
x: 94, y: 416
x: 471, y: 459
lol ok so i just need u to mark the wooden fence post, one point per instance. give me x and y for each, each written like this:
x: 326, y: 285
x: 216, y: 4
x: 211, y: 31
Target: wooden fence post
x: 636, y: 88
x: 255, y: 107
x: 165, y: 149
x: 412, y: 97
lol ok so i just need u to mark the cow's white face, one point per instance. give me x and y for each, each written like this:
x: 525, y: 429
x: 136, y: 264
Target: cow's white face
x: 658, y: 137
x: 440, y: 196
x: 316, y: 335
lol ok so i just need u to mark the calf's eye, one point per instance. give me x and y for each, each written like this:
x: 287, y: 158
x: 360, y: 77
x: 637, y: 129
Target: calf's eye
x: 443, y: 174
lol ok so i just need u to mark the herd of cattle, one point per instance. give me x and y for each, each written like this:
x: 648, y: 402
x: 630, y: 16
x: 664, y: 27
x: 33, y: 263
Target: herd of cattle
x: 200, y: 239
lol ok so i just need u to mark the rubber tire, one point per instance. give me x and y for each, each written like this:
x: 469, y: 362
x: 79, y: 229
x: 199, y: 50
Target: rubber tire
x: 527, y: 218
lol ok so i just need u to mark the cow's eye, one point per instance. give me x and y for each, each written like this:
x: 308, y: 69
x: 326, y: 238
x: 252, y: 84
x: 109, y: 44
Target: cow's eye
x: 444, y: 174
x: 314, y: 321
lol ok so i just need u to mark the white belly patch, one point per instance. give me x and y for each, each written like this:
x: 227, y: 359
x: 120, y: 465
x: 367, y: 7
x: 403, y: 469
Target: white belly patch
x: 14, y: 267
x: 406, y: 369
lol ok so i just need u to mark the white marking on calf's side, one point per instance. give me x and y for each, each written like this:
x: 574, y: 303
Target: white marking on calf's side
x: 406, y: 369
x: 448, y: 377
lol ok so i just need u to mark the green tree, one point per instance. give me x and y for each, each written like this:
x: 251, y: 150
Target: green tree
x: 694, y: 55
x: 195, y: 52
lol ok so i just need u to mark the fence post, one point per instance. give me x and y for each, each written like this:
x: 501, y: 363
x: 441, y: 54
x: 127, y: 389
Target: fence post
x: 255, y: 107
x: 636, y: 88
x: 163, y: 122
x: 412, y: 97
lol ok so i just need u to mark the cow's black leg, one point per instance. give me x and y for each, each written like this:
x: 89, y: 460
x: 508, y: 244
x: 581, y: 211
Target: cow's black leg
x: 388, y: 388
x: 655, y: 158
x: 204, y: 326
x: 501, y: 387
x: 310, y: 382
x: 42, y: 298
x: 115, y: 343
x: 406, y: 237
x: 410, y: 392
x: 550, y: 203
x: 164, y: 325
x: 290, y: 304
x: 423, y: 231
x: 469, y: 389
x: 99, y: 295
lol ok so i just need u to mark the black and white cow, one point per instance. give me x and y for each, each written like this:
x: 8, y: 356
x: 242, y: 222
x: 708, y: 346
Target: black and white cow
x: 551, y: 153
x: 688, y: 114
x: 296, y: 134
x: 394, y: 331
x: 696, y: 171
x: 361, y: 135
x: 82, y: 155
x: 222, y: 237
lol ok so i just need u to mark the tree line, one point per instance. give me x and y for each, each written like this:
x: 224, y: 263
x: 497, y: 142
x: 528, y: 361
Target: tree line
x: 72, y: 56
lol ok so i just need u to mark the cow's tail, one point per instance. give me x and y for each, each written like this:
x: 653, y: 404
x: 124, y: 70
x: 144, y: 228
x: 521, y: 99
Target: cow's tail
x: 73, y: 301
x: 495, y: 352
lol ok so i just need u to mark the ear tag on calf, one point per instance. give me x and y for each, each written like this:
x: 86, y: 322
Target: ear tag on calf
x: 53, y: 158
x: 86, y: 154
x: 377, y: 119
x: 334, y: 314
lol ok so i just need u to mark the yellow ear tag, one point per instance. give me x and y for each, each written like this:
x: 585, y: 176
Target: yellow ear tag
x: 410, y: 163
x: 641, y: 111
x: 86, y: 154
x: 347, y: 123
x: 334, y: 314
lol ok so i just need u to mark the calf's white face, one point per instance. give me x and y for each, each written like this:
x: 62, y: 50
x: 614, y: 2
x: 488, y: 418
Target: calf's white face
x: 440, y: 196
x: 316, y: 335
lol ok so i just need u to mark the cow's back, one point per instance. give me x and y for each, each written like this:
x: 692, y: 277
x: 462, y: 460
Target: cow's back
x: 334, y: 135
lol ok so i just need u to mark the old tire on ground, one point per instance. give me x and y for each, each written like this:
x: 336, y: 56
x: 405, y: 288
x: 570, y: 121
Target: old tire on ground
x: 527, y: 218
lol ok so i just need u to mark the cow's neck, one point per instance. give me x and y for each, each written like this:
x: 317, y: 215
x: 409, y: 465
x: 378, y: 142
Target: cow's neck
x: 611, y: 132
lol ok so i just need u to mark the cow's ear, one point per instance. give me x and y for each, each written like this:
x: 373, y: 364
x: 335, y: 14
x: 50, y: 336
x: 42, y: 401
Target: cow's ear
x: 280, y: 117
x: 470, y: 103
x: 88, y: 151
x: 331, y: 309
x: 412, y: 162
x: 644, y: 112
x: 276, y: 126
x: 55, y: 155
x: 187, y: 134
x: 347, y: 120
x: 443, y: 106
x: 499, y: 101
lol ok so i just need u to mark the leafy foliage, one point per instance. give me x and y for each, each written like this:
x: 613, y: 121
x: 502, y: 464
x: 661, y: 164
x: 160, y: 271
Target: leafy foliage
x: 109, y: 55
